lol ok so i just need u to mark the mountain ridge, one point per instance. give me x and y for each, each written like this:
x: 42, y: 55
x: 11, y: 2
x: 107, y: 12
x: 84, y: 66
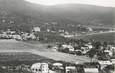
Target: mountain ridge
x: 88, y: 15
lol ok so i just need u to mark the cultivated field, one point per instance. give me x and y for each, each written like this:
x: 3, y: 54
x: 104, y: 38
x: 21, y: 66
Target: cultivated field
x: 10, y: 46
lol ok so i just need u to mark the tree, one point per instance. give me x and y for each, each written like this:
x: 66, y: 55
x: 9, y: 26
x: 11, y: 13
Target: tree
x: 36, y: 34
x: 97, y: 45
x: 59, y: 45
x: 49, y: 46
x: 105, y: 44
x: 91, y: 53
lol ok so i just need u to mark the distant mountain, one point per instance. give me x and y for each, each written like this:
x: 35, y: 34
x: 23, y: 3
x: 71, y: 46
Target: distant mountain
x: 28, y: 14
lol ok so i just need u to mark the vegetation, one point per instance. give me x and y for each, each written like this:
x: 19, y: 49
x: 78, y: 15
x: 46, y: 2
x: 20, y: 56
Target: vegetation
x: 22, y: 15
x: 108, y: 37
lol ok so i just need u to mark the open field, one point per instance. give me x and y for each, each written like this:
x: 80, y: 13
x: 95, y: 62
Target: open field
x: 18, y: 58
x: 9, y: 46
x: 108, y: 36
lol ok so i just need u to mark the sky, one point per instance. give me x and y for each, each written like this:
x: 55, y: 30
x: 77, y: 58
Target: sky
x: 106, y: 3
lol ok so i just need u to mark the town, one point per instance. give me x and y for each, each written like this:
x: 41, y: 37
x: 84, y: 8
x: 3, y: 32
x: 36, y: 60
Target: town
x: 101, y: 54
x: 57, y: 36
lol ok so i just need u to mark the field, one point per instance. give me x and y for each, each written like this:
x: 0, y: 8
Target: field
x: 17, y: 50
x: 108, y: 36
x: 34, y: 51
x: 17, y: 58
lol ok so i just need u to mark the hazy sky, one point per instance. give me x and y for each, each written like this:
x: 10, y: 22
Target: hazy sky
x: 110, y: 3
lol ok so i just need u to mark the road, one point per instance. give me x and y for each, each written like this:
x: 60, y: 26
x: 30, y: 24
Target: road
x: 39, y: 49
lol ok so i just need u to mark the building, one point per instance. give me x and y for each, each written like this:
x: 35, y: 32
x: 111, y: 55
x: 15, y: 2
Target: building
x: 84, y: 49
x: 90, y: 46
x: 40, y: 68
x: 104, y: 63
x: 71, y: 69
x: 91, y: 70
x: 31, y: 36
x: 58, y: 67
x: 36, y: 29
x: 71, y: 48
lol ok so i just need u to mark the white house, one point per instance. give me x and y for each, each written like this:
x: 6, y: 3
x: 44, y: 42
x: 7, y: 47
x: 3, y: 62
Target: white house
x: 58, y: 65
x: 36, y: 29
x: 90, y: 29
x: 71, y: 69
x: 109, y: 52
x: 40, y: 68
x: 113, y: 61
x: 90, y: 46
x: 104, y: 63
x: 84, y: 49
x: 68, y: 46
x: 91, y: 70
x: 18, y: 37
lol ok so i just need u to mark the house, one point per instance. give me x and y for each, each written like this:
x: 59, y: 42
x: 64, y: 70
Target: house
x: 61, y: 31
x: 36, y: 29
x: 71, y: 69
x: 58, y: 65
x: 50, y: 71
x: 25, y: 67
x: 55, y: 48
x: 91, y: 67
x: 68, y: 36
x: 24, y: 36
x: 109, y: 52
x: 48, y: 30
x: 40, y: 68
x: 104, y: 63
x: 89, y: 29
x: 113, y: 50
x: 90, y: 46
x: 4, y: 35
x: 84, y: 49
x: 10, y: 32
x: 69, y: 47
x: 91, y: 70
x: 113, y: 61
x: 78, y: 51
x: 17, y: 37
x: 31, y: 36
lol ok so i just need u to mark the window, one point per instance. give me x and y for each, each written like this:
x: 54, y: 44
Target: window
x: 36, y: 69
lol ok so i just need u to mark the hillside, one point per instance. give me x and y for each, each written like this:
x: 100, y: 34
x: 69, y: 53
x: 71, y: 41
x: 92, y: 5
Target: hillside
x: 24, y: 14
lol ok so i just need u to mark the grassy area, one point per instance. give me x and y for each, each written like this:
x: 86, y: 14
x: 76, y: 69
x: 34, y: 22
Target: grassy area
x: 38, y: 49
x: 42, y: 44
x: 50, y: 37
x: 110, y: 36
x: 17, y: 58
